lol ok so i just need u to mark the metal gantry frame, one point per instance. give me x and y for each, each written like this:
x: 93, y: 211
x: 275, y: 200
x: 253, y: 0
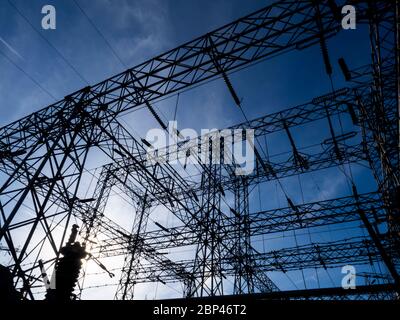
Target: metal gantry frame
x: 43, y: 158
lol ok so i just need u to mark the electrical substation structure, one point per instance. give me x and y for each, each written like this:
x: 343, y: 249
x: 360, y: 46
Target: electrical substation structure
x: 43, y: 158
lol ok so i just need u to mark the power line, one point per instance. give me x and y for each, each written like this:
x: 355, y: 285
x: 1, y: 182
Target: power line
x: 100, y: 33
x: 48, y: 42
x: 28, y: 75
x: 114, y: 52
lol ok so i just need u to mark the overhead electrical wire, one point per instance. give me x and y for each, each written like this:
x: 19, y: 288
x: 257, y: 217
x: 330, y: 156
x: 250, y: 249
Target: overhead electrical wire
x: 116, y: 55
x: 278, y: 181
x: 48, y: 42
x: 28, y: 76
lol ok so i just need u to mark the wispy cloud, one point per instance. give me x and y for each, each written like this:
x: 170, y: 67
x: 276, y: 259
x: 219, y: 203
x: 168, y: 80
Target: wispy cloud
x: 10, y: 47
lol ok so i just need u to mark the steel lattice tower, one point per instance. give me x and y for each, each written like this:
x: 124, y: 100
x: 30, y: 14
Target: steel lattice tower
x: 43, y: 158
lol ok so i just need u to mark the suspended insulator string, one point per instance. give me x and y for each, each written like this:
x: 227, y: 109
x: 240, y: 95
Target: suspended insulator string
x: 231, y: 89
x: 322, y: 41
x: 325, y: 55
x: 328, y: 69
x: 193, y: 87
x: 262, y: 150
x: 156, y: 116
x: 118, y: 57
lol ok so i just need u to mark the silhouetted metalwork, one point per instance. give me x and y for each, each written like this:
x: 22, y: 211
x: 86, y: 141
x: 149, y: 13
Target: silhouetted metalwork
x: 44, y: 156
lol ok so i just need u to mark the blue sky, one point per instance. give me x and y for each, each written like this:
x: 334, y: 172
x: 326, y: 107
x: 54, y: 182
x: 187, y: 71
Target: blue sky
x: 137, y: 30
x: 140, y: 29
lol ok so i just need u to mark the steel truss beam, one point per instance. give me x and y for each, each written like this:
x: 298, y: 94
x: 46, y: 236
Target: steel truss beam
x: 364, y: 292
x: 43, y: 157
x: 315, y: 214
x: 358, y: 251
